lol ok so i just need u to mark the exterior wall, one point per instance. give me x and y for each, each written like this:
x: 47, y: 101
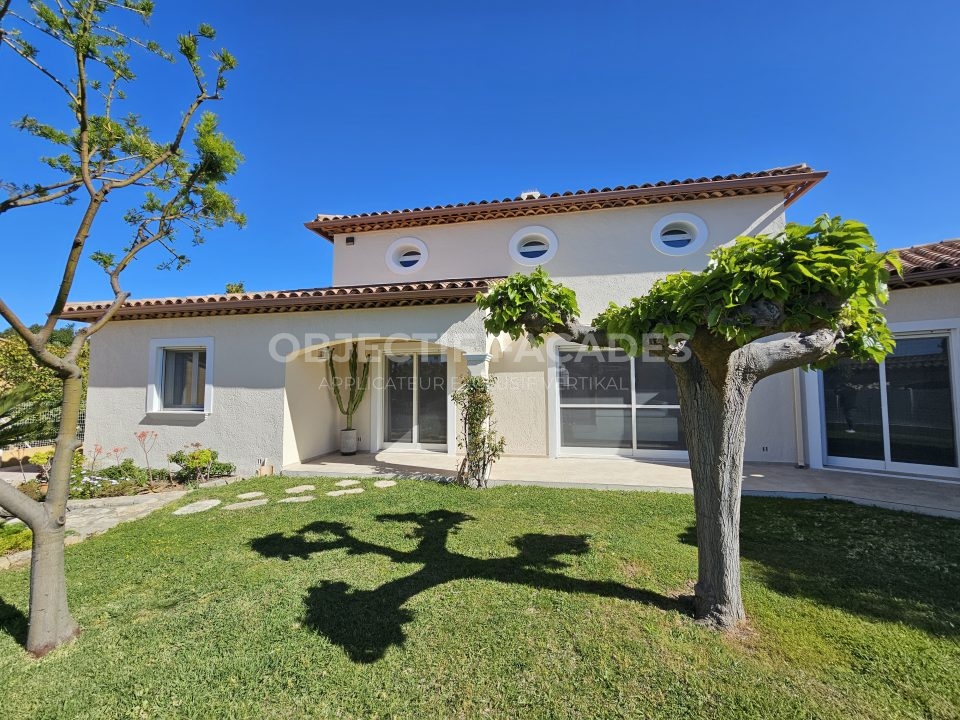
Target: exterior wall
x: 771, y: 420
x: 520, y: 399
x: 937, y: 302
x: 256, y: 398
x: 598, y: 242
x: 311, y: 418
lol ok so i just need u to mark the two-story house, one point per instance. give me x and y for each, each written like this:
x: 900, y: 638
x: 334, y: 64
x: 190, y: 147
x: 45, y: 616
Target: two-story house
x: 248, y: 373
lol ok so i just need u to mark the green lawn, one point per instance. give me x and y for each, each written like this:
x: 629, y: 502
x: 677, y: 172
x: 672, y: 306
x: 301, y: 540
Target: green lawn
x: 423, y: 601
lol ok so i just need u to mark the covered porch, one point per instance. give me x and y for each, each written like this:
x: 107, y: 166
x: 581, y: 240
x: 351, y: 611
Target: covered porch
x: 931, y: 496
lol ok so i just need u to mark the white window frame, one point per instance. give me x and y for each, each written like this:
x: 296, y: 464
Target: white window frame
x: 541, y: 233
x: 556, y: 447
x: 378, y: 409
x: 816, y: 419
x: 406, y: 243
x: 155, y: 374
x: 700, y: 234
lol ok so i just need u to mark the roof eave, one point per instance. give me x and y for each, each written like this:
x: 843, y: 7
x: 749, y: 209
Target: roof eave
x: 792, y: 186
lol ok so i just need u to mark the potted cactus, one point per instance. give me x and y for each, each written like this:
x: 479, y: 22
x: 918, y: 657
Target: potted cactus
x: 356, y: 387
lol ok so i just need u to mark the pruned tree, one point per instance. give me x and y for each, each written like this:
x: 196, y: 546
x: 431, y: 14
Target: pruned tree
x: 765, y: 304
x: 84, y: 49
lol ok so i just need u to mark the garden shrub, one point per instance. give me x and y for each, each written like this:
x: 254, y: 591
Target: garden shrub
x: 14, y: 538
x: 199, y: 464
x: 32, y: 490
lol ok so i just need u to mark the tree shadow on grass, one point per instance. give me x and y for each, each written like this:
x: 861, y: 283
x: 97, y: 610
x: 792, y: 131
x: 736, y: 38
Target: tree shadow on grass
x: 880, y: 564
x: 365, y: 623
x: 13, y: 622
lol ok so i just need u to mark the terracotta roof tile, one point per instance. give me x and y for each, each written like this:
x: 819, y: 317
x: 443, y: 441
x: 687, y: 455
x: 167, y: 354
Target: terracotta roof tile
x: 932, y: 264
x: 438, y: 292
x: 791, y: 182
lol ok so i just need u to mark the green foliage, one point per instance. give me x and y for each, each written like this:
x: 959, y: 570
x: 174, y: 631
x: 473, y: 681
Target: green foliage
x: 14, y: 538
x: 32, y: 490
x: 18, y: 366
x: 481, y: 443
x: 235, y: 287
x: 356, y: 382
x: 532, y: 305
x: 18, y: 420
x: 825, y: 275
x: 199, y: 464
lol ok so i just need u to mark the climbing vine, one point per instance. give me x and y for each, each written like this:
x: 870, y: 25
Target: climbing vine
x: 481, y: 443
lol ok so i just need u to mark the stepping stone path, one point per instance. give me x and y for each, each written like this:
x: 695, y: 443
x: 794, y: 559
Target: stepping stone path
x: 199, y: 506
x: 298, y: 499
x: 300, y: 489
x: 384, y: 483
x: 348, y: 491
x: 247, y: 504
x: 347, y: 483
x: 250, y: 495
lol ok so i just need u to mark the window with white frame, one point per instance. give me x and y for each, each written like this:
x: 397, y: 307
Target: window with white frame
x: 180, y: 375
x: 533, y: 245
x: 611, y: 401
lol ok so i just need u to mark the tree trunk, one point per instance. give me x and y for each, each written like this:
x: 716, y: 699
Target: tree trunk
x: 715, y: 426
x: 51, y: 623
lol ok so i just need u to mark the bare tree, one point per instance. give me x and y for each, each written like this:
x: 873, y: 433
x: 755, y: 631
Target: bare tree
x: 83, y: 48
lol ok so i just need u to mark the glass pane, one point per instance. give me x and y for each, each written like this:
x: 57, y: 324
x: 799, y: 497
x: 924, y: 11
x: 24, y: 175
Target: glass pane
x: 660, y: 429
x: 399, y: 400
x: 919, y: 402
x: 594, y: 378
x: 432, y: 401
x: 184, y: 374
x: 851, y: 401
x: 595, y: 427
x: 654, y: 383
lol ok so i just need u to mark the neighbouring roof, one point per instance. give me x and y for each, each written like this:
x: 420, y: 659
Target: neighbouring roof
x: 790, y: 182
x: 932, y: 264
x: 441, y: 292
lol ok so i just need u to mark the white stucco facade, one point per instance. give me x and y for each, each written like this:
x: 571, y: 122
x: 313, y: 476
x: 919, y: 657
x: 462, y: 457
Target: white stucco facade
x: 278, y: 412
x: 268, y: 398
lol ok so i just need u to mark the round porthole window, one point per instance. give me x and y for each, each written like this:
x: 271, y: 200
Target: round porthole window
x: 679, y: 234
x: 406, y: 255
x: 533, y: 245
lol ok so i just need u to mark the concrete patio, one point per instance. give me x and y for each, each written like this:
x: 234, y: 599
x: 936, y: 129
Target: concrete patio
x: 917, y: 494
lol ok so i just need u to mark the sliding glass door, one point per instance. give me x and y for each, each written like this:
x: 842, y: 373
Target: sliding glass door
x: 415, y: 401
x: 898, y: 415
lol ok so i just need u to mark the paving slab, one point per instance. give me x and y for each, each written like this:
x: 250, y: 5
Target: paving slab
x: 197, y: 507
x: 348, y: 491
x: 250, y: 495
x: 300, y: 489
x: 298, y: 499
x: 245, y: 505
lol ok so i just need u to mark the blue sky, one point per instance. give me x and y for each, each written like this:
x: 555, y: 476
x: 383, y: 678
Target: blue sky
x: 349, y: 107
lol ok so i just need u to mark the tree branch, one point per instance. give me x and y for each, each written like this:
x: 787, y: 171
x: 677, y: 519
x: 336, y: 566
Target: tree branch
x: 171, y: 150
x: 39, y: 67
x: 40, y: 195
x: 30, y: 511
x: 796, y: 350
x: 70, y: 268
